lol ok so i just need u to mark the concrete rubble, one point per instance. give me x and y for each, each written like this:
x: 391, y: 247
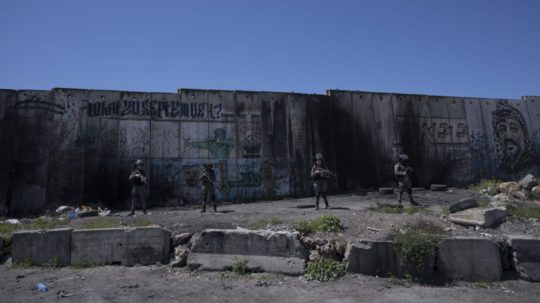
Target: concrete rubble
x: 528, y: 182
x: 526, y: 256
x: 463, y: 204
x: 40, y: 247
x: 480, y: 217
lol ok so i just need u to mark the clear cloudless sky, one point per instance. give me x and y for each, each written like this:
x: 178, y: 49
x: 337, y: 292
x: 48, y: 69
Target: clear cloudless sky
x: 478, y: 48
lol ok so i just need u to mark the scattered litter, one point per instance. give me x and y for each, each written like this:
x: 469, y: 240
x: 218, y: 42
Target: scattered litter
x: 104, y: 212
x: 63, y: 209
x: 72, y: 215
x: 373, y: 229
x: 12, y: 221
x: 63, y: 294
x: 42, y: 287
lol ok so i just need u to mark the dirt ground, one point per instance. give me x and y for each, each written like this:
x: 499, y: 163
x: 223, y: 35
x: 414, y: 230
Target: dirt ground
x: 160, y: 283
x: 355, y: 211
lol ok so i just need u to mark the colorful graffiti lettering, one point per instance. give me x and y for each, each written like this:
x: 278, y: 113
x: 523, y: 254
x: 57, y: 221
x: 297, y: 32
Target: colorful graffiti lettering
x: 219, y: 146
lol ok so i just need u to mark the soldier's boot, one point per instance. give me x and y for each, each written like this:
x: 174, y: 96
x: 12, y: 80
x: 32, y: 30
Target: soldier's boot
x: 326, y: 202
x: 144, y: 211
x: 399, y: 197
x: 203, y: 210
x: 317, y: 203
x: 215, y: 207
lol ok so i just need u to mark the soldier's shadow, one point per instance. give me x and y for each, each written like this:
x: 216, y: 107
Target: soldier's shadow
x: 225, y: 211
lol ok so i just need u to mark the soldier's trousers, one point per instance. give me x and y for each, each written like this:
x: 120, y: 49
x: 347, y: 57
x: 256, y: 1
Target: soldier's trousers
x: 209, y: 194
x: 320, y: 187
x: 407, y: 190
x: 138, y: 193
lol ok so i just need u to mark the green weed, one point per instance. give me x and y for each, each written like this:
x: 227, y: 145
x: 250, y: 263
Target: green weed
x: 240, y: 266
x: 324, y: 270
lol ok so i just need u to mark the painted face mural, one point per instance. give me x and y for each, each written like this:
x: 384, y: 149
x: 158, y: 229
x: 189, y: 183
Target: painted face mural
x: 513, y: 146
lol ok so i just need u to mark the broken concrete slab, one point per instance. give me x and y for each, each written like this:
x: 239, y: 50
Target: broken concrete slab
x: 181, y: 253
x: 463, y: 204
x: 535, y: 192
x: 40, y: 247
x: 438, y: 187
x: 526, y: 256
x: 480, y: 217
x: 372, y: 257
x: 508, y: 187
x: 528, y: 182
x: 264, y: 250
x: 182, y: 239
x: 470, y: 259
x: 120, y: 246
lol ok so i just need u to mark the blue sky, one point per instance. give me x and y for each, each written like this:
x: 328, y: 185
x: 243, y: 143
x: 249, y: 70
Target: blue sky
x: 478, y: 48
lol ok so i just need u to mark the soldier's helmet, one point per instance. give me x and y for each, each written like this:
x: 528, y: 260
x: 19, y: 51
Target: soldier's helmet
x: 138, y: 163
x: 403, y: 157
x: 208, y: 165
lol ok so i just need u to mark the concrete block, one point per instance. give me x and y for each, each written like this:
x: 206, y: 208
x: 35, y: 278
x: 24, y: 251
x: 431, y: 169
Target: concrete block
x: 480, y: 217
x: 470, y: 259
x: 463, y: 204
x: 42, y: 246
x: 98, y: 246
x: 526, y: 256
x: 372, y: 257
x: 264, y: 250
x: 147, y: 245
x: 120, y: 246
x: 379, y: 257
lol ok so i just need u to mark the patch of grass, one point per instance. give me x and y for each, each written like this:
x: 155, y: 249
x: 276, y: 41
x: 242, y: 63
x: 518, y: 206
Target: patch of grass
x: 109, y: 222
x: 487, y: 186
x: 324, y: 270
x: 263, y: 223
x: 240, y: 266
x: 524, y: 212
x: 325, y: 223
x: 390, y: 210
x: 39, y: 223
x: 446, y: 211
x: 483, y: 284
x: 52, y: 263
x: 23, y: 263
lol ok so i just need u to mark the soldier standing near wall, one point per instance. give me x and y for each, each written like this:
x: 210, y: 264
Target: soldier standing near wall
x: 208, y: 176
x: 138, y: 180
x: 402, y: 171
x: 320, y: 175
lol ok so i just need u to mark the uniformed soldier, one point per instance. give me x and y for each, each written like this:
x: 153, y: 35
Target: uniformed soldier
x: 402, y: 171
x: 207, y: 178
x: 138, y: 180
x: 320, y: 175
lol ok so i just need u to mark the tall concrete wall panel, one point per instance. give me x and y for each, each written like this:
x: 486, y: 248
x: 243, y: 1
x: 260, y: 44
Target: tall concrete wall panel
x: 71, y: 146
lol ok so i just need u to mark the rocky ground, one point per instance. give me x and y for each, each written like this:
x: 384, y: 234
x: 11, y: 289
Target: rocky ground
x: 362, y: 216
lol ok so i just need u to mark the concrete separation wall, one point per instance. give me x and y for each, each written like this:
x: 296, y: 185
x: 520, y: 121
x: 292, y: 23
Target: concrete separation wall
x: 268, y: 251
x: 91, y: 247
x: 260, y: 143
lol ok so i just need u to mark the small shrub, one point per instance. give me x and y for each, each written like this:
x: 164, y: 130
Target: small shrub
x: 240, y: 266
x: 324, y: 270
x: 524, y: 212
x: 325, y: 223
x: 416, y: 243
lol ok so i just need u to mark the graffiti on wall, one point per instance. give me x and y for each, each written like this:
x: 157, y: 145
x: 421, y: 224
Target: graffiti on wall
x: 219, y: 146
x: 156, y: 108
x: 444, y: 131
x: 515, y: 151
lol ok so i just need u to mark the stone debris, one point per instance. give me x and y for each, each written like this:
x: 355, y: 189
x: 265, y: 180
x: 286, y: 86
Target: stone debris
x: 535, y: 192
x: 508, y: 187
x: 463, y: 204
x: 182, y: 239
x: 181, y: 253
x: 480, y: 217
x: 528, y: 182
x: 526, y: 256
